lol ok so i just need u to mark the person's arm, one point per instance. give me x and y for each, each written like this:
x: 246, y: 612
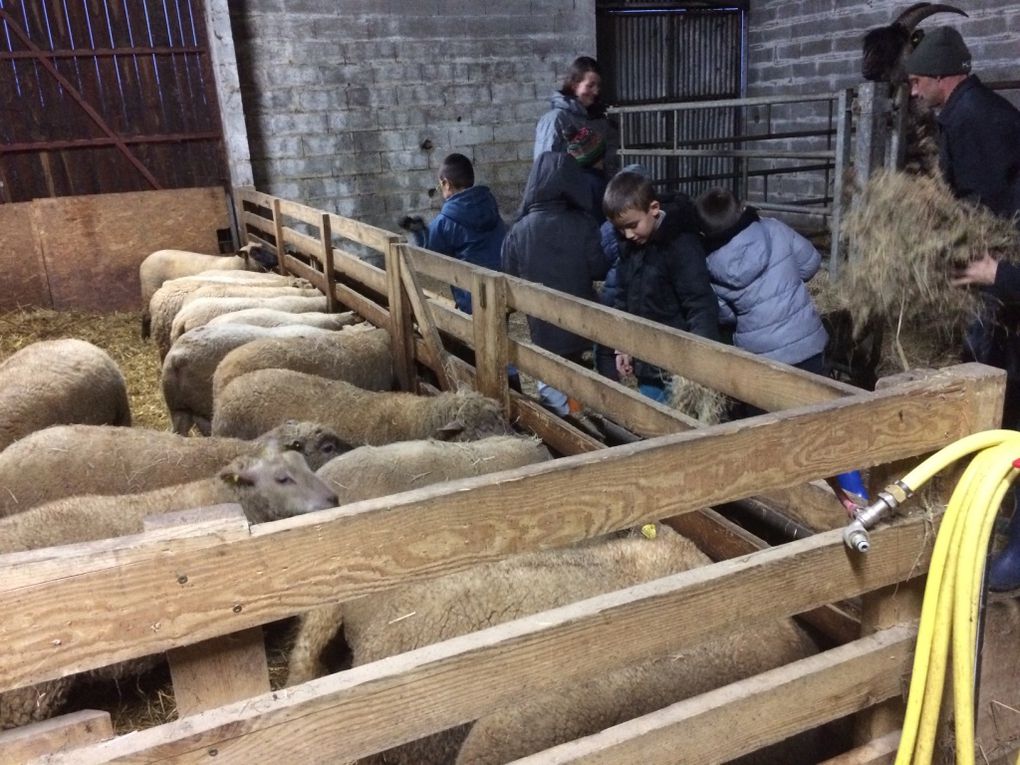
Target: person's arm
x: 988, y: 271
x: 693, y: 288
x: 509, y: 255
x: 549, y: 134
x: 597, y: 259
x: 727, y: 316
x: 807, y: 258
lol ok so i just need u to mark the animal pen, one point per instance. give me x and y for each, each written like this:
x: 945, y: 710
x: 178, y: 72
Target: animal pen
x: 202, y: 590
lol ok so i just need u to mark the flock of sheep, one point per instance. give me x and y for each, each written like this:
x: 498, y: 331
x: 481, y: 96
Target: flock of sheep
x: 296, y: 414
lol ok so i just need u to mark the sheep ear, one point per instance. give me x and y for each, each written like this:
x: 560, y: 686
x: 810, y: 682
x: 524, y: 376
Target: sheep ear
x: 449, y: 431
x: 238, y: 475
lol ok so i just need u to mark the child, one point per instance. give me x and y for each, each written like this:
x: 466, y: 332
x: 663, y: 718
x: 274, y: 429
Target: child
x: 661, y: 273
x: 758, y: 267
x: 469, y: 226
x: 555, y: 242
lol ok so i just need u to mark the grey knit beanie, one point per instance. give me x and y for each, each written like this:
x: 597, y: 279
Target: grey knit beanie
x: 941, y: 53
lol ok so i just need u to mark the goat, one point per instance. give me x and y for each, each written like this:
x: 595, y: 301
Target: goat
x: 885, y: 48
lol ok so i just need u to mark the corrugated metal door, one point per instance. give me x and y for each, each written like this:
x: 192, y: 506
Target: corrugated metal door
x: 667, y: 52
x: 100, y: 96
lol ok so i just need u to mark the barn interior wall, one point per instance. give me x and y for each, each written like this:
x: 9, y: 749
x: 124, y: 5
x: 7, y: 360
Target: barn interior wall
x: 352, y: 105
x: 814, y: 46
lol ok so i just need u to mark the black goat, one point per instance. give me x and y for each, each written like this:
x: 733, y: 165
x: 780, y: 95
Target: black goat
x: 885, y: 48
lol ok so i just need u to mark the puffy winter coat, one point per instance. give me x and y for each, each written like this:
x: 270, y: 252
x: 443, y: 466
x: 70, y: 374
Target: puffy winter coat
x: 565, y: 117
x: 469, y: 228
x: 759, y: 277
x: 556, y: 243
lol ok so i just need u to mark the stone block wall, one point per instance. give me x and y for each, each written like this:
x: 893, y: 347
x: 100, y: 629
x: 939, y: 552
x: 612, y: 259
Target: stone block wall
x: 352, y: 104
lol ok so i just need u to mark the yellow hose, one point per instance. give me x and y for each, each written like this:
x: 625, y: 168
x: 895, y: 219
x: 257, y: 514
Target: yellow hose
x: 950, y: 610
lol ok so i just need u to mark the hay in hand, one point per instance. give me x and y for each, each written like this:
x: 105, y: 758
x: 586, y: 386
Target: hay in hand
x: 909, y: 233
x: 697, y: 401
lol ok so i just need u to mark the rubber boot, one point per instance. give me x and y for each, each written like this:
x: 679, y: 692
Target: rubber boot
x: 1004, y: 571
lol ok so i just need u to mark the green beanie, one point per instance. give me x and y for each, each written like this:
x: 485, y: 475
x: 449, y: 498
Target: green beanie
x: 941, y: 53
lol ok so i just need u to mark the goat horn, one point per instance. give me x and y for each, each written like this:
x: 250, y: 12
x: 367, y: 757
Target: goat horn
x: 918, y: 12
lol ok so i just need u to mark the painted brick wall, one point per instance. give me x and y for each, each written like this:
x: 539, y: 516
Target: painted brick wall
x: 352, y: 104
x: 814, y: 45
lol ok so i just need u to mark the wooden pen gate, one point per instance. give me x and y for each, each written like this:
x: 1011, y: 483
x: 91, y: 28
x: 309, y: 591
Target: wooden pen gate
x: 201, y: 591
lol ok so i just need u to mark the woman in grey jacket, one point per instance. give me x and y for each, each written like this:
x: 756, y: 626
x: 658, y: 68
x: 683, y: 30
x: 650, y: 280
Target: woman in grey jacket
x: 759, y: 267
x: 575, y: 105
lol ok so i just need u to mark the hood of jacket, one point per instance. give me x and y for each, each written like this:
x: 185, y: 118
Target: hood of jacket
x: 747, y: 256
x: 555, y: 178
x: 568, y: 104
x: 475, y: 208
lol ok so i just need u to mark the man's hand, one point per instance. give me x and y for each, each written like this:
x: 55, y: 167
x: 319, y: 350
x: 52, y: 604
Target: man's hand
x: 980, y: 272
x: 412, y: 223
x: 624, y: 364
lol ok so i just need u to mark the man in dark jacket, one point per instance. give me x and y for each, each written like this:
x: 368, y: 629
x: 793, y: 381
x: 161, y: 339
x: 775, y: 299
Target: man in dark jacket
x: 555, y: 242
x: 662, y: 273
x: 468, y: 227
x: 979, y: 154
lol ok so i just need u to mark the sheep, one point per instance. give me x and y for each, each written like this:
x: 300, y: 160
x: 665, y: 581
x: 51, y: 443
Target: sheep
x: 163, y: 265
x: 362, y: 358
x: 219, y: 276
x: 267, y: 486
x: 169, y: 299
x: 69, y: 460
x: 188, y: 368
x: 886, y: 48
x: 268, y: 317
x: 422, y: 613
x: 59, y: 381
x: 377, y: 471
x: 257, y: 401
x: 200, y: 311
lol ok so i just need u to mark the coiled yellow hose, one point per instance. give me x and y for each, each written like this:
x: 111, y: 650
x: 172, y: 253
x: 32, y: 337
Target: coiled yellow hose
x: 952, y: 596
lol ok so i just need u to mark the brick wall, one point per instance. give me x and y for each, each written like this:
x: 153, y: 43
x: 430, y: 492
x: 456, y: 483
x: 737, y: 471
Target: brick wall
x: 815, y: 45
x: 352, y: 104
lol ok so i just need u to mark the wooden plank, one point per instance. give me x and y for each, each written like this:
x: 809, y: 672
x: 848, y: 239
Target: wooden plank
x: 426, y: 326
x: 879, y: 751
x: 756, y: 712
x: 400, y: 325
x: 722, y: 539
x: 628, y: 407
x: 250, y: 195
x: 92, y: 245
x: 371, y: 236
x: 553, y: 430
x: 21, y: 260
x: 473, y: 674
x: 265, y: 225
x: 305, y: 245
x: 303, y: 213
x: 744, y: 376
x: 444, y: 268
x: 292, y: 565
x: 223, y: 669
x: 295, y: 267
x: 350, y: 298
x: 488, y: 303
x: 55, y: 735
x: 350, y: 265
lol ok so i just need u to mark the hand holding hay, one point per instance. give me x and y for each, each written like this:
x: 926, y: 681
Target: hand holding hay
x: 913, y: 239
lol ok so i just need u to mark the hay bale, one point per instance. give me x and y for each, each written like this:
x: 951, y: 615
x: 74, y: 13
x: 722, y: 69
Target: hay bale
x: 909, y: 234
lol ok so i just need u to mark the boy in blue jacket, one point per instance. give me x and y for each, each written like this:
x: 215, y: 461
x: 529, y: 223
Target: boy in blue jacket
x: 468, y: 226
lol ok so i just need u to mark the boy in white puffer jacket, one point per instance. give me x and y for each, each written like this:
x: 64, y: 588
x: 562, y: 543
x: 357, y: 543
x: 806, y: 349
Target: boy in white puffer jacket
x: 758, y: 268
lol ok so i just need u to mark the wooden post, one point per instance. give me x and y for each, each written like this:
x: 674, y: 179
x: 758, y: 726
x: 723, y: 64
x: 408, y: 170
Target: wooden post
x: 844, y: 129
x: 326, y: 237
x: 488, y: 322
x: 223, y: 669
x: 902, y: 602
x: 278, y: 233
x: 400, y: 328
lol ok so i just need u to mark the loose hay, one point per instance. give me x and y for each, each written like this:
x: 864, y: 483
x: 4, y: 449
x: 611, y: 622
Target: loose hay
x: 695, y: 400
x: 116, y: 333
x: 909, y: 233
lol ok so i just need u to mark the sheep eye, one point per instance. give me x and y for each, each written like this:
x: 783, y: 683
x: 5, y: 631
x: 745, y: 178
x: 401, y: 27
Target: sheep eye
x: 284, y: 479
x: 294, y: 446
x: 328, y: 448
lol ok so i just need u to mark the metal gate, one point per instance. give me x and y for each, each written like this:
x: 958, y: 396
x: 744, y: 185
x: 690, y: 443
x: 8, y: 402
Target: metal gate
x: 665, y: 52
x: 100, y: 96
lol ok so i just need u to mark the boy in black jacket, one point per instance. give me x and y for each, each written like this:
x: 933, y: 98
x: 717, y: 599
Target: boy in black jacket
x: 662, y: 272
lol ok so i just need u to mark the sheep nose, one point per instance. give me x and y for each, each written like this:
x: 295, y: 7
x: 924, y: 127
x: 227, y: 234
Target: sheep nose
x: 333, y: 500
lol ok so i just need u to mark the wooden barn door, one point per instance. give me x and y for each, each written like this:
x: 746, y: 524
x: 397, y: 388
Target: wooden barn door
x: 101, y: 96
x: 666, y: 52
